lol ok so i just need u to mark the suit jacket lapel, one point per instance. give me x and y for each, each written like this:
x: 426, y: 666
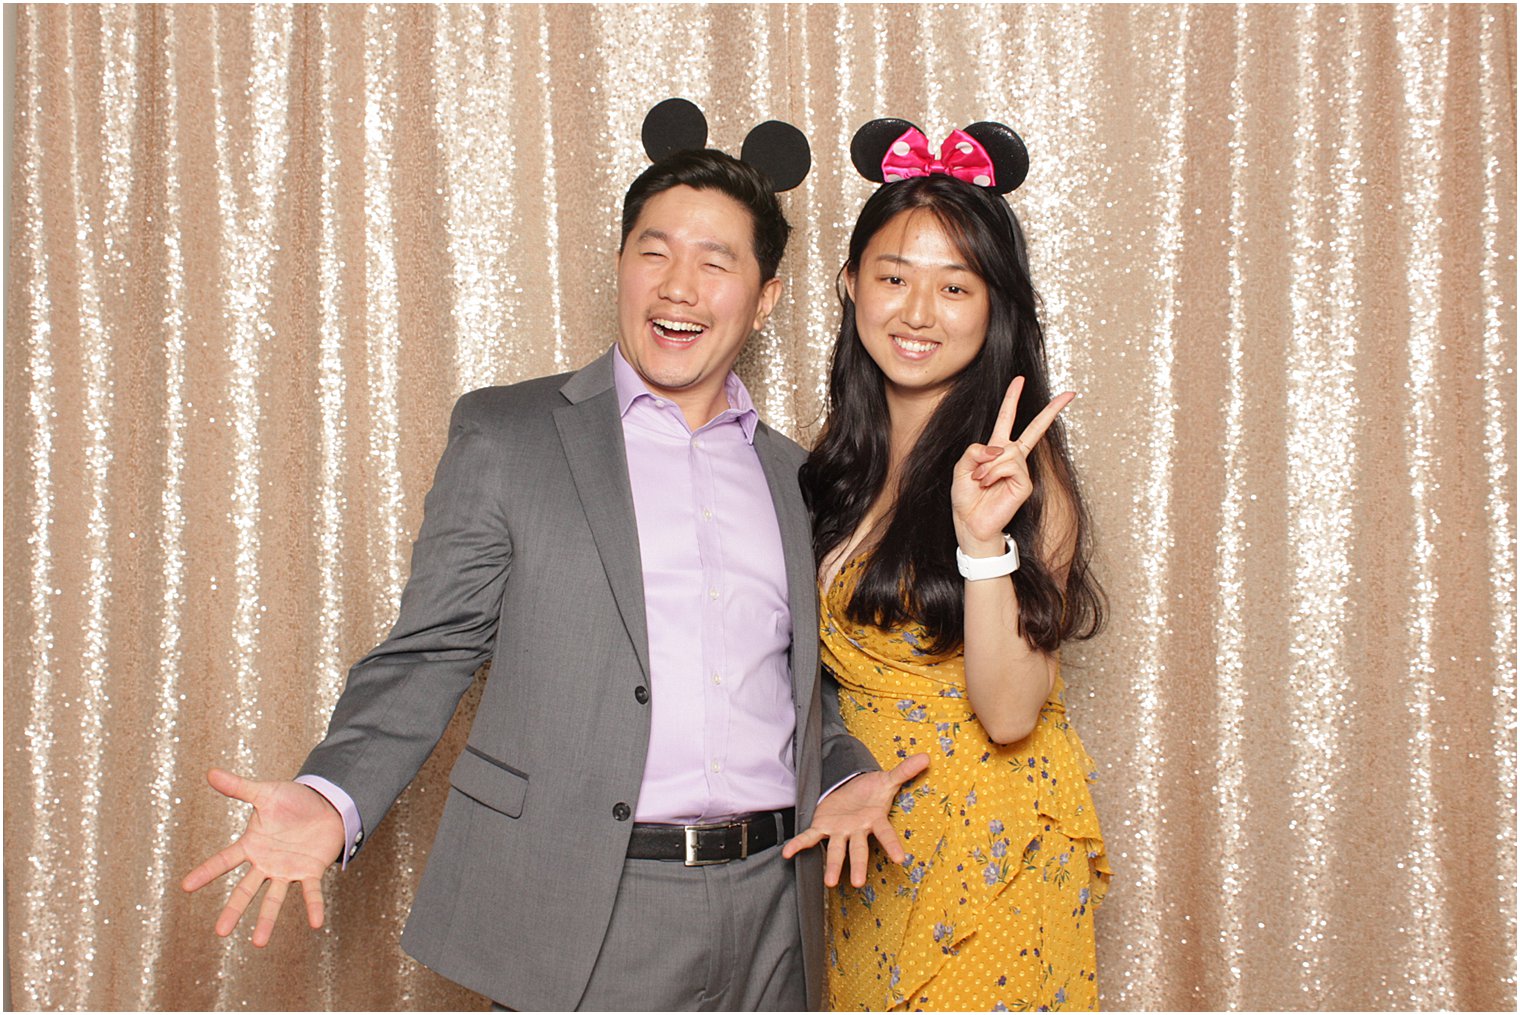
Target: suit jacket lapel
x: 797, y: 544
x: 592, y: 434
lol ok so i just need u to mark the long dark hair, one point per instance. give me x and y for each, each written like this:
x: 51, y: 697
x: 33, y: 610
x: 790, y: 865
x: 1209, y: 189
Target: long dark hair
x: 911, y: 574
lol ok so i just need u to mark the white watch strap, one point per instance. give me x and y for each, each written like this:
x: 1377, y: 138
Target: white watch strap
x: 978, y: 568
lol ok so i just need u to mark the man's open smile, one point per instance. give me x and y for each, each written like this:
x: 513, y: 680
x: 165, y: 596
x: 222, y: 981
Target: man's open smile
x: 676, y: 331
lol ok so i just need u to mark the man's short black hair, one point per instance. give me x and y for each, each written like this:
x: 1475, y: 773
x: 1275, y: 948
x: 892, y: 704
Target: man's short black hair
x: 710, y: 169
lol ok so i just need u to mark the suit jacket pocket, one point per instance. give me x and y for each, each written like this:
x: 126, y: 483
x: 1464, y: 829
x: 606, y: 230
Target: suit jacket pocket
x: 487, y: 781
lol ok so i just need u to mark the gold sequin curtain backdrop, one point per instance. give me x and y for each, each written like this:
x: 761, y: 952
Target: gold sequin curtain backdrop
x: 257, y: 251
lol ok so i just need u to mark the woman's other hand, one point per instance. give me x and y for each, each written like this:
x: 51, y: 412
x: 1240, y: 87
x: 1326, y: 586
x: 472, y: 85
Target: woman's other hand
x: 992, y: 480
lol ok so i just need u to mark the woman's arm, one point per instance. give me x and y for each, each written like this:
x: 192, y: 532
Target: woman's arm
x: 1007, y: 679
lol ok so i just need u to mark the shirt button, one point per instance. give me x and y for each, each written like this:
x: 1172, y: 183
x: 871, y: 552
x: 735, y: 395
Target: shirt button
x: 716, y: 767
x: 641, y: 694
x: 659, y: 403
x: 620, y: 811
x: 712, y: 593
x: 717, y: 678
x: 697, y: 444
x: 707, y: 514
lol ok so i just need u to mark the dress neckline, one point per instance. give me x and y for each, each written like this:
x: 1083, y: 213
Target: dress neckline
x: 826, y: 590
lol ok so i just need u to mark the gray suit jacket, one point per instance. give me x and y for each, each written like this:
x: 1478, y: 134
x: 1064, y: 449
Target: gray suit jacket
x: 528, y: 556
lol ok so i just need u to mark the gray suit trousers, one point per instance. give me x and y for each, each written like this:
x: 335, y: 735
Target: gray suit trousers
x: 719, y: 938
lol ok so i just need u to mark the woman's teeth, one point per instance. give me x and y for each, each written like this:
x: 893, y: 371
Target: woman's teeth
x: 909, y: 345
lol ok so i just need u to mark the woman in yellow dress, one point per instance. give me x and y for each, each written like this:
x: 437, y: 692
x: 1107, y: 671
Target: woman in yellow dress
x: 953, y: 562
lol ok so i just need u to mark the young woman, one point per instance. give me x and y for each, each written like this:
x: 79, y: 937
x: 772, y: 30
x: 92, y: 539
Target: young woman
x: 952, y: 550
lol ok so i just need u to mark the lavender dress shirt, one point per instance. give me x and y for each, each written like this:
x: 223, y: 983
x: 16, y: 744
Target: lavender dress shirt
x: 722, y: 720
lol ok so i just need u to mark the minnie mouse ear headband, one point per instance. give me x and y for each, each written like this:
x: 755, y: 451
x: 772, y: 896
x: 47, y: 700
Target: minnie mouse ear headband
x: 985, y: 154
x: 776, y: 149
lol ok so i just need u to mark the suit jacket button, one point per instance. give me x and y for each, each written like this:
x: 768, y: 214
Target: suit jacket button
x: 620, y: 811
x: 641, y: 694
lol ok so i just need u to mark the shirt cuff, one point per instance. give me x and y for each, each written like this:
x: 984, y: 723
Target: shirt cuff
x: 825, y: 795
x: 353, y: 828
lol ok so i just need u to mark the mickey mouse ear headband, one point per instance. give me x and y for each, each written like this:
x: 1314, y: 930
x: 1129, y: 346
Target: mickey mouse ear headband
x: 985, y: 154
x: 777, y: 149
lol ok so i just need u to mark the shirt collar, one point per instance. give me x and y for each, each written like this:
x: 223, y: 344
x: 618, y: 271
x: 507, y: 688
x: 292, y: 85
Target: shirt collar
x: 631, y: 387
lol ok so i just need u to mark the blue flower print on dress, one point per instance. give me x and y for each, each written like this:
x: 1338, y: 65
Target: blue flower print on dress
x: 912, y: 711
x: 1000, y: 848
x: 919, y: 648
x: 905, y: 801
x: 971, y: 797
x: 995, y: 827
x: 992, y: 873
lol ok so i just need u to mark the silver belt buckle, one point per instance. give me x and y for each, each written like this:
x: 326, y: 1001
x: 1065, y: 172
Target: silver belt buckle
x: 691, y: 843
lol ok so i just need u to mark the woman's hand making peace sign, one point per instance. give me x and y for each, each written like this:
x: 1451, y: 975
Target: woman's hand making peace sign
x: 992, y: 480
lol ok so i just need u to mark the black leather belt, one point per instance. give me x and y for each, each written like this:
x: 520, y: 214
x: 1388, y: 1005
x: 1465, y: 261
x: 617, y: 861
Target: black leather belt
x: 697, y: 845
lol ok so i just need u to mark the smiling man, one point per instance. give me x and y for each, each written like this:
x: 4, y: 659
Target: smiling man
x: 629, y: 546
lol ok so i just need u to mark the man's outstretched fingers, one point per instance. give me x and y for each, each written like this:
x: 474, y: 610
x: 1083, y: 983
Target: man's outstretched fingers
x: 859, y: 851
x: 834, y: 861
x: 229, y: 784
x: 886, y: 836
x: 269, y: 911
x: 802, y: 840
x: 908, y: 768
x: 225, y: 860
x: 311, y: 891
x: 238, y: 901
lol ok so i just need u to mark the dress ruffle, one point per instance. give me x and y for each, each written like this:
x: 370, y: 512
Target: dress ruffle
x: 982, y: 818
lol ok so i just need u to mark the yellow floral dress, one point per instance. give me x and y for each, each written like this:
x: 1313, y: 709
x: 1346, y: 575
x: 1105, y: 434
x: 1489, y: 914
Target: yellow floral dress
x: 993, y: 910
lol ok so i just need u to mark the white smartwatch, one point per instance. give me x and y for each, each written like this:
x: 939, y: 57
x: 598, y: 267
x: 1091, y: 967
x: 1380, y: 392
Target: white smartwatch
x: 978, y: 568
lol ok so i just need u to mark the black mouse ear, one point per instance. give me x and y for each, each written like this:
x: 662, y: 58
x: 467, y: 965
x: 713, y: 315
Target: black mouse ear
x: 674, y: 125
x: 1010, y: 159
x: 780, y: 151
x: 871, y: 143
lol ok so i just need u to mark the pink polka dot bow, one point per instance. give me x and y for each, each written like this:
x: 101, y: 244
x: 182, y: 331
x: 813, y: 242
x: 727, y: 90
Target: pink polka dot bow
x: 961, y: 156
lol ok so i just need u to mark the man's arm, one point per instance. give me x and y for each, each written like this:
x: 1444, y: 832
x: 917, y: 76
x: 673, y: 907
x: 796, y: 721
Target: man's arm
x: 843, y: 755
x: 398, y: 699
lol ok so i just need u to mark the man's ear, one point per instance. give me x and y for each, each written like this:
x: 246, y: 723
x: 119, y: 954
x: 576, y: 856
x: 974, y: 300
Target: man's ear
x: 770, y: 292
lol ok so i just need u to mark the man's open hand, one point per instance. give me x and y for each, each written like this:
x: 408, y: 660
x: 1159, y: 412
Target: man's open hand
x: 293, y: 834
x: 851, y: 814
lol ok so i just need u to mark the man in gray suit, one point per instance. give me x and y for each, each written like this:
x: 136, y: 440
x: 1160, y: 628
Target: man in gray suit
x: 629, y: 546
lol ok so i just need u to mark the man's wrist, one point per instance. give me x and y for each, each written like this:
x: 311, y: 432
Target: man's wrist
x: 825, y: 794
x: 353, y: 827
